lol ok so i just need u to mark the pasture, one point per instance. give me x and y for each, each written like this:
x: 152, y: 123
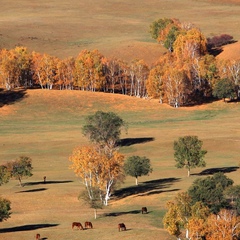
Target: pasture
x: 46, y: 126
x: 116, y: 28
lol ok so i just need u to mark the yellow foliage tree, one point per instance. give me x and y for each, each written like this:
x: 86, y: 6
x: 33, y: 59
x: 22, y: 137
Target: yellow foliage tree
x: 97, y: 169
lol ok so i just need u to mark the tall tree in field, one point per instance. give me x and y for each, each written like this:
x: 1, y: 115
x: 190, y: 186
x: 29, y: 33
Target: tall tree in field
x: 5, y: 204
x: 137, y: 166
x: 103, y: 129
x: 21, y: 167
x: 4, y: 174
x: 97, y: 170
x: 188, y: 153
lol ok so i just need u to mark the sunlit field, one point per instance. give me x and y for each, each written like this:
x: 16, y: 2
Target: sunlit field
x: 46, y: 125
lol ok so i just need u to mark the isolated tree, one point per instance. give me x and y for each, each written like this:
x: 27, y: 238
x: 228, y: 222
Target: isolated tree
x: 224, y: 88
x: 136, y: 166
x: 210, y: 191
x: 188, y: 153
x: 22, y: 167
x: 4, y: 174
x: 5, y: 207
x: 97, y: 170
x: 103, y: 129
x: 5, y: 204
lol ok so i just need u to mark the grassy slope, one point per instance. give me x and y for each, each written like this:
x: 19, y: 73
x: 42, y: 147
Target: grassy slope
x: 46, y: 125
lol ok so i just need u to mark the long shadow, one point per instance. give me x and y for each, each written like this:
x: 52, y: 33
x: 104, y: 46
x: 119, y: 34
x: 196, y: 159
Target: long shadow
x: 33, y: 190
x: 131, y: 141
x: 115, y: 214
x: 211, y: 171
x: 10, y: 97
x: 146, y: 188
x: 47, y: 182
x: 27, y: 227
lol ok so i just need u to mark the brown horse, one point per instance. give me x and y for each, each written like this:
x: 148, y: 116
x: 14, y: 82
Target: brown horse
x: 88, y: 225
x: 37, y: 236
x: 144, y: 210
x: 121, y: 227
x: 78, y: 225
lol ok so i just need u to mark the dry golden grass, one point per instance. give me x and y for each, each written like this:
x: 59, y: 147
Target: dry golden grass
x: 46, y: 125
x: 116, y: 28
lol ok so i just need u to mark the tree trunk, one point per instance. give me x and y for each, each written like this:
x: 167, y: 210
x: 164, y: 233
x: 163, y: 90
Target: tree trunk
x: 95, y: 213
x: 136, y: 181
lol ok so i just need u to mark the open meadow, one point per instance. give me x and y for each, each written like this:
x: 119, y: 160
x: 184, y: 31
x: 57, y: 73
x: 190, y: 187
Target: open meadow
x: 117, y: 28
x: 46, y: 125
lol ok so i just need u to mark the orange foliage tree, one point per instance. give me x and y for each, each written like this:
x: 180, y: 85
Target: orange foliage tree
x: 97, y: 170
x: 89, y: 70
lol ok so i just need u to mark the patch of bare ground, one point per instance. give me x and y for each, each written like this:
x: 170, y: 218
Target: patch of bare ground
x: 231, y: 51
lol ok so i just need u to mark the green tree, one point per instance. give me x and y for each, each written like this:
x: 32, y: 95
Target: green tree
x: 224, y: 88
x: 136, y: 166
x: 4, y: 174
x: 22, y: 167
x: 188, y: 153
x: 4, y: 203
x: 210, y: 191
x: 157, y: 26
x: 103, y: 129
x: 5, y: 207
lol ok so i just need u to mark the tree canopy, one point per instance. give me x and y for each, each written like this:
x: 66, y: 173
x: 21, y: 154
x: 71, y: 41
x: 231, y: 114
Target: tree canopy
x: 188, y: 153
x: 21, y: 167
x: 137, y: 166
x: 210, y: 191
x: 224, y: 88
x: 103, y: 129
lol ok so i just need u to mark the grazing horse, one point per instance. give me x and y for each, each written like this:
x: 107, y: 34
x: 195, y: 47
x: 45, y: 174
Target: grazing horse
x: 121, y: 227
x: 144, y: 210
x: 37, y: 236
x: 78, y: 225
x: 88, y: 225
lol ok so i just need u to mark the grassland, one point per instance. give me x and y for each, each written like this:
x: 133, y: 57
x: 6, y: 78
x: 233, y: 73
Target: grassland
x: 117, y: 28
x: 46, y: 125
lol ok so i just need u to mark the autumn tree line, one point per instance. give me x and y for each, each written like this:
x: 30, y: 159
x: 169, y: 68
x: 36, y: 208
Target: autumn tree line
x: 186, y: 74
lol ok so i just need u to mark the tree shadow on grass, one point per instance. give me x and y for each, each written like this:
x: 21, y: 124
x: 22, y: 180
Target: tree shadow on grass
x: 10, y: 97
x: 33, y: 190
x: 47, y: 182
x: 146, y: 188
x: 131, y: 141
x: 116, y: 214
x: 211, y: 171
x: 27, y: 227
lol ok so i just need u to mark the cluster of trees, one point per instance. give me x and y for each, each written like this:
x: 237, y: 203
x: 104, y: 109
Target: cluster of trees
x: 19, y: 168
x: 186, y: 74
x: 208, y: 210
x: 100, y: 165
